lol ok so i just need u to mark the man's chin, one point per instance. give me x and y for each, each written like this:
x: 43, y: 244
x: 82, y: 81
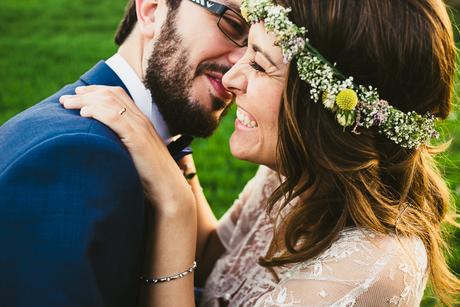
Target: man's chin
x: 195, y: 126
x: 209, y: 122
x: 209, y: 130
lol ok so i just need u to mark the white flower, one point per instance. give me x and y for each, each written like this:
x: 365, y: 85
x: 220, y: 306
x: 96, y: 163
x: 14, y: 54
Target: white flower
x: 329, y: 101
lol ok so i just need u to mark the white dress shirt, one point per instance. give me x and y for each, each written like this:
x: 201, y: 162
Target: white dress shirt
x: 140, y: 94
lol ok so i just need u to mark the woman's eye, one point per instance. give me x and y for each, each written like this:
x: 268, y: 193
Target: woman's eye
x: 256, y: 66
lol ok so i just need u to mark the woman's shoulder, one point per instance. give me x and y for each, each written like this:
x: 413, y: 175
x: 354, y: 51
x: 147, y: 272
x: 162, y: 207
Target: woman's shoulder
x: 361, y: 246
x: 363, y: 265
x: 390, y: 245
x: 366, y: 242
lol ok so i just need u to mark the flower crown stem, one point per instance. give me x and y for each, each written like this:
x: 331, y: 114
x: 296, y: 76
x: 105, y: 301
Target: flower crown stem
x: 317, y: 54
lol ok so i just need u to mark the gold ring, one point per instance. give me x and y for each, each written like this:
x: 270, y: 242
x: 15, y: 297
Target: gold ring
x: 122, y: 111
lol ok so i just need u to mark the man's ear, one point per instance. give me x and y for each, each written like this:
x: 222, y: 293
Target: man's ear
x: 147, y: 16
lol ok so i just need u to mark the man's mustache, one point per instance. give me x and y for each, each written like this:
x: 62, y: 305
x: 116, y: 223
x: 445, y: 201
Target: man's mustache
x: 214, y: 67
x: 217, y: 104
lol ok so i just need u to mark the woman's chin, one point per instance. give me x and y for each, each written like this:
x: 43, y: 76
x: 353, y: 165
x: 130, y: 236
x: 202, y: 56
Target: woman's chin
x: 240, y: 149
x: 243, y: 148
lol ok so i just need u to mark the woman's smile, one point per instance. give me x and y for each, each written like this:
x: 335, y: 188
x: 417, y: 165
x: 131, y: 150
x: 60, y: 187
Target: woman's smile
x: 244, y: 119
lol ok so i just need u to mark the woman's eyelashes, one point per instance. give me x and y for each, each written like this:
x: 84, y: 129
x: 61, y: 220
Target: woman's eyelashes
x: 256, y: 66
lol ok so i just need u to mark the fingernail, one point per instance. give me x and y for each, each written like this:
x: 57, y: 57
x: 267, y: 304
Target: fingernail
x: 63, y: 97
x: 79, y: 89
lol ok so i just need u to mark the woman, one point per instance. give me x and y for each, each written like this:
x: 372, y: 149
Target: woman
x: 348, y: 206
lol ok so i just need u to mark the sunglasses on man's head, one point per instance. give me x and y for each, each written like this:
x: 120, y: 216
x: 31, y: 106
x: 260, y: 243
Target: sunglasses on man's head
x: 231, y: 23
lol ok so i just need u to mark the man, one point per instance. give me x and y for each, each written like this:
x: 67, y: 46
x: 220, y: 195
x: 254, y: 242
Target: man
x: 71, y: 202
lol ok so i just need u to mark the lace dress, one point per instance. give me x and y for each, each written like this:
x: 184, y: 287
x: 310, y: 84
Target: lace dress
x: 361, y: 268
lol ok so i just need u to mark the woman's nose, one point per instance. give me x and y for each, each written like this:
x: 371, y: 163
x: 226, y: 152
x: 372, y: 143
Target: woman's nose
x: 234, y: 80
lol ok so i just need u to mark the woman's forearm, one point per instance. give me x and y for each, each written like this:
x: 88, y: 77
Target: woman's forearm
x: 170, y: 250
x: 207, y: 222
x: 208, y: 247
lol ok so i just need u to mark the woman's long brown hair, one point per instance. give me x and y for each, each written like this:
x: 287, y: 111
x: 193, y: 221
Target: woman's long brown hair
x: 405, y: 49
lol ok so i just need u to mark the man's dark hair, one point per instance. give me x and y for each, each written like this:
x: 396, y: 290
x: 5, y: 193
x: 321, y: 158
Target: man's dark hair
x: 130, y: 18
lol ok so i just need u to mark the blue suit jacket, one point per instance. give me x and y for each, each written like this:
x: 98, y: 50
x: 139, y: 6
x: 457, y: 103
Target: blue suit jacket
x: 71, y: 208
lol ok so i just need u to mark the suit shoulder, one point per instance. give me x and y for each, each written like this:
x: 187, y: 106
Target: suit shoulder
x: 49, y: 117
x: 45, y: 121
x: 71, y: 151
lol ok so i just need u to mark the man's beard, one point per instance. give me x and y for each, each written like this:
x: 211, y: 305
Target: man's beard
x: 169, y: 77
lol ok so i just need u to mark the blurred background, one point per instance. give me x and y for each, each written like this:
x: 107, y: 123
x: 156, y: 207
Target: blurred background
x: 45, y: 44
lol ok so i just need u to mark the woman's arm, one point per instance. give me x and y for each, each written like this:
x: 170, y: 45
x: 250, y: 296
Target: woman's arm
x: 169, y: 251
x: 172, y: 232
x: 208, y: 246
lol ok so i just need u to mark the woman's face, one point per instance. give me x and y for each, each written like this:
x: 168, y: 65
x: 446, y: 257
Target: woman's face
x: 257, y: 81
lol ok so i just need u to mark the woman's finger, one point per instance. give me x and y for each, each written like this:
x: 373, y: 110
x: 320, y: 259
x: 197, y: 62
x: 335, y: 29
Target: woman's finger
x: 119, y: 121
x: 104, y: 99
x: 114, y: 93
x: 110, y: 105
x: 89, y: 98
x: 72, y: 101
x: 99, y: 88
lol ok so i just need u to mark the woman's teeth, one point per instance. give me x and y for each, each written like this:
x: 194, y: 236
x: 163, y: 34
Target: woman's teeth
x: 244, y: 119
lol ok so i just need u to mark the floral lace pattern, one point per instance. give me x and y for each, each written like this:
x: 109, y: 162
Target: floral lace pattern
x: 361, y: 268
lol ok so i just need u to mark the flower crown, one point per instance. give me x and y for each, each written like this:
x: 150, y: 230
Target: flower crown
x: 352, y: 104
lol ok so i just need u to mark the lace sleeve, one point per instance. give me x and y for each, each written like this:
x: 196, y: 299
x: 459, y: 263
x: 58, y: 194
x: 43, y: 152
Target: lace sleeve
x: 355, y: 271
x: 241, y: 207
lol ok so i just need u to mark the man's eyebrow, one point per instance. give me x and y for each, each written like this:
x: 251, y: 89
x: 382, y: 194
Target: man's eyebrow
x: 231, y: 5
x: 257, y: 49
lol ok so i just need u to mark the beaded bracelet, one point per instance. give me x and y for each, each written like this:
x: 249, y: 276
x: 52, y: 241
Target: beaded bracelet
x: 169, y: 278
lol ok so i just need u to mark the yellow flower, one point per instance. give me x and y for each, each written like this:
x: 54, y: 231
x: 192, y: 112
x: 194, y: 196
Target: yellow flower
x: 347, y: 99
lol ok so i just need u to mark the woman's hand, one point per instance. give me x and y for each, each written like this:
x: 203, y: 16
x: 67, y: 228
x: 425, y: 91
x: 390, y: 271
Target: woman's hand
x: 163, y: 181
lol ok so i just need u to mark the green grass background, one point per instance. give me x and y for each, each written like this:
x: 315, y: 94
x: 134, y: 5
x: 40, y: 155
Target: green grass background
x: 45, y: 44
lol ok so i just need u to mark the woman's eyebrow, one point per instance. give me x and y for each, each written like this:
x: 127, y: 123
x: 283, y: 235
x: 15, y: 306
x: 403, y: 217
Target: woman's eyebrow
x: 257, y: 49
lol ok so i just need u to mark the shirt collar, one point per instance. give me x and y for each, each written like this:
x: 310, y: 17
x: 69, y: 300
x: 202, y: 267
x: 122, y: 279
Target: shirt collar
x: 140, y: 94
